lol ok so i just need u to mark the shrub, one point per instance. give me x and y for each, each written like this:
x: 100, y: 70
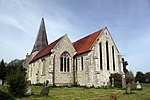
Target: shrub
x: 129, y: 77
x: 117, y: 80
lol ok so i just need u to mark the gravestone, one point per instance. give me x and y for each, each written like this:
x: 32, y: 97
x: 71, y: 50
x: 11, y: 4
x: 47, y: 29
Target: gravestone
x: 123, y: 81
x: 29, y: 88
x: 1, y: 82
x: 44, y: 91
x: 128, y: 88
x: 138, y: 87
x: 112, y: 82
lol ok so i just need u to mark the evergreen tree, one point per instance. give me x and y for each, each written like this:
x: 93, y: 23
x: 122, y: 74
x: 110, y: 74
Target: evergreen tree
x: 2, y: 70
x: 16, y: 80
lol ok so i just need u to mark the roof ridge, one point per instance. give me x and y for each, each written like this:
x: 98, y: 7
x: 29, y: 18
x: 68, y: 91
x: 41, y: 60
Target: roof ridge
x: 84, y: 44
x: 89, y: 35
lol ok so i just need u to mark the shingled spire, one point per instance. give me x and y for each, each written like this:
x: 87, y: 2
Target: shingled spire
x: 41, y: 39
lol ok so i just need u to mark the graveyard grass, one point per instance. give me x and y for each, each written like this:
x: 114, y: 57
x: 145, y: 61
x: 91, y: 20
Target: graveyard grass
x: 81, y: 93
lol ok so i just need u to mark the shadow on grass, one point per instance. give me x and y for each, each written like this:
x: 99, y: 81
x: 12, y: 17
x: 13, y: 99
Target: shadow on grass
x: 34, y: 95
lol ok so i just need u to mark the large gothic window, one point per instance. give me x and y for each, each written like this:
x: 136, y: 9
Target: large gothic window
x: 107, y: 55
x: 113, y: 56
x: 101, y: 59
x: 65, y: 62
x: 82, y: 62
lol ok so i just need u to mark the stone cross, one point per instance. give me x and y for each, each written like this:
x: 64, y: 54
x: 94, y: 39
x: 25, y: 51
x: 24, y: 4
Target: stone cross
x: 47, y: 82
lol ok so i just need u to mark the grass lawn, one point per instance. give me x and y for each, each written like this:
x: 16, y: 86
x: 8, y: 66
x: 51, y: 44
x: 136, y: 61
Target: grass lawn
x: 80, y: 93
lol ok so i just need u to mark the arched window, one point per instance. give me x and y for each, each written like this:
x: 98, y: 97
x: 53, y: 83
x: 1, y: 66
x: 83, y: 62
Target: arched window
x: 65, y: 62
x: 107, y: 55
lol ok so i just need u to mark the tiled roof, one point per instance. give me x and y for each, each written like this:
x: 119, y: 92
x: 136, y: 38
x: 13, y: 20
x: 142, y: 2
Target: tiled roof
x: 84, y: 44
x: 45, y: 51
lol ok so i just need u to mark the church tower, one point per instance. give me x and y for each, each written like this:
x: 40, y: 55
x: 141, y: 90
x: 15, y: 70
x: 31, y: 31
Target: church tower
x: 40, y: 43
x: 41, y: 39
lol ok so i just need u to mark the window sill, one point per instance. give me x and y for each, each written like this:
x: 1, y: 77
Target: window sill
x: 65, y: 72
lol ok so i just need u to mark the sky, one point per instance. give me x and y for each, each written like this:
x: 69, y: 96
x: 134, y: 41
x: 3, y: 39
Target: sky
x: 127, y: 20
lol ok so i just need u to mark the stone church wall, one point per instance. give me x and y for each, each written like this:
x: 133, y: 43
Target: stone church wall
x: 92, y: 75
x: 61, y: 77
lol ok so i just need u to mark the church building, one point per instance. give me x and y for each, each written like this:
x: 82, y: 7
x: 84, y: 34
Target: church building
x: 88, y: 61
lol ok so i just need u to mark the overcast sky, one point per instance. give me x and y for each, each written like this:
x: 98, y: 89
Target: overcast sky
x: 127, y: 20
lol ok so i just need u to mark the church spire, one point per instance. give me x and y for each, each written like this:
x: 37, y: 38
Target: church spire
x: 41, y: 39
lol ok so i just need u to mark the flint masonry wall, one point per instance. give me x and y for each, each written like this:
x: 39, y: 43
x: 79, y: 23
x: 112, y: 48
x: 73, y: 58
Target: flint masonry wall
x: 92, y: 75
x: 61, y: 77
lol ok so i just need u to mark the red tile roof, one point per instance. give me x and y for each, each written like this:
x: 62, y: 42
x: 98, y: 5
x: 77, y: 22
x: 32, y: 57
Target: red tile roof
x: 85, y: 44
x: 45, y: 51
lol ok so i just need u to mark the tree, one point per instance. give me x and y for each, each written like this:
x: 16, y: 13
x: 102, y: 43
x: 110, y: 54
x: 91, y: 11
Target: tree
x: 147, y: 76
x: 2, y: 70
x: 17, y: 81
x: 140, y: 77
x: 129, y: 77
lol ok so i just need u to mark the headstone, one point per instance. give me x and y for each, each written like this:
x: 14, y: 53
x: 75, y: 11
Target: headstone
x: 128, y: 88
x: 1, y: 82
x: 5, y: 84
x: 113, y: 82
x: 138, y: 87
x: 44, y: 91
x: 123, y: 81
x: 29, y: 88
